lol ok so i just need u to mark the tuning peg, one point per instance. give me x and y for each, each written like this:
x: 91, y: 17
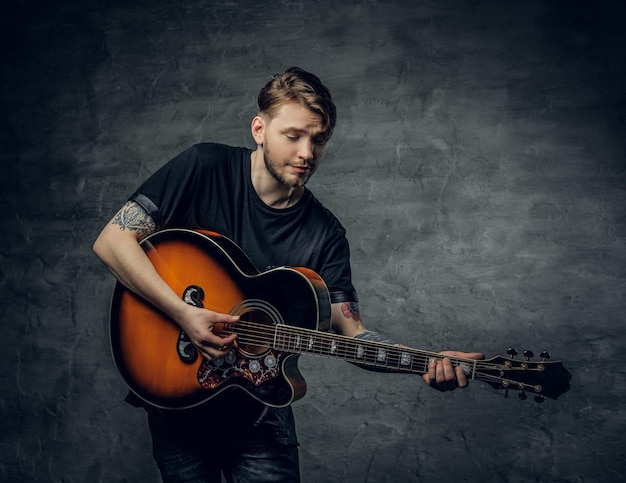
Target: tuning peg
x: 528, y: 355
x: 512, y: 352
x: 539, y: 398
x: 545, y: 355
x: 522, y: 395
x: 506, y: 394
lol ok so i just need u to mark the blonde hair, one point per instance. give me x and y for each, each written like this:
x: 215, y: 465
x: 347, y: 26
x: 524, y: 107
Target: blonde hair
x: 298, y: 85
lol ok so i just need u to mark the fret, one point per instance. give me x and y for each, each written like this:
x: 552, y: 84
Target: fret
x: 374, y: 355
x: 288, y: 341
x: 405, y: 359
x: 333, y: 347
x: 360, y: 352
x: 279, y: 340
x: 381, y: 355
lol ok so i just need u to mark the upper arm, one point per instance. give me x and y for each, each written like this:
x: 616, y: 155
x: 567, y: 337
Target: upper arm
x: 133, y: 218
x: 346, y: 319
x: 131, y: 222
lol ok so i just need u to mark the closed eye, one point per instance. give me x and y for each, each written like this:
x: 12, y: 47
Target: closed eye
x: 318, y: 140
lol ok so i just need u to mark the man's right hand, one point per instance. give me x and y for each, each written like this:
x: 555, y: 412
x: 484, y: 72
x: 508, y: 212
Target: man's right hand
x: 203, y: 329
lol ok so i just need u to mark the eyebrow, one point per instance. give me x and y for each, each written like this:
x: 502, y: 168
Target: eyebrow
x: 297, y: 130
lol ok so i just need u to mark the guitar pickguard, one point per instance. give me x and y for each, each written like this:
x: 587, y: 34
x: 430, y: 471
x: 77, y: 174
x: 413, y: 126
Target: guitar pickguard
x: 257, y: 370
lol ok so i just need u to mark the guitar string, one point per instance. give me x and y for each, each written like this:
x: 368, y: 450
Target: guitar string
x: 315, y: 336
x: 262, y: 335
x: 254, y: 337
x: 486, y: 377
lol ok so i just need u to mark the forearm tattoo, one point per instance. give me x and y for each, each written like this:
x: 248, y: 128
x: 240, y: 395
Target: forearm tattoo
x: 351, y: 310
x: 371, y: 336
x: 133, y: 217
x: 374, y: 337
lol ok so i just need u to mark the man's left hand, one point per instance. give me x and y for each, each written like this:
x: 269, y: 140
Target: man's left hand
x: 443, y: 375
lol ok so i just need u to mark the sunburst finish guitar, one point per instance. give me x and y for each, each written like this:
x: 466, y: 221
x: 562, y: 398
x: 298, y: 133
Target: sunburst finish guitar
x: 283, y: 312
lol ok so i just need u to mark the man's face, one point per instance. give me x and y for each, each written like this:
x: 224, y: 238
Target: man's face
x: 294, y: 142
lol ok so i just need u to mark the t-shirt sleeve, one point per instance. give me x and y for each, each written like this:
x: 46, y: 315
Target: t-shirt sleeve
x: 336, y: 270
x: 167, y: 195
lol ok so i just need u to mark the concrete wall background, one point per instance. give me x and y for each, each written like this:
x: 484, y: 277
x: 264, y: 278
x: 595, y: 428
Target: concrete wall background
x: 478, y: 166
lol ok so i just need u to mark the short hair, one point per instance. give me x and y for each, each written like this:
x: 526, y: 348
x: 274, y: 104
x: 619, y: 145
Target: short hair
x: 298, y: 85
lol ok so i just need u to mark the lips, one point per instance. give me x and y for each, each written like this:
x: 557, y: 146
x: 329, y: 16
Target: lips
x: 301, y: 169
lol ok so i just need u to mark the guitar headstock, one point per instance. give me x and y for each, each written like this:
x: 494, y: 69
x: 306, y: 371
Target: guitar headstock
x: 541, y: 379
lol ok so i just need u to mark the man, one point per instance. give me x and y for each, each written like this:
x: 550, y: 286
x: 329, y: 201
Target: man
x: 257, y: 199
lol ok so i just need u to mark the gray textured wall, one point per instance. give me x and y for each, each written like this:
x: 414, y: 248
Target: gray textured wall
x: 478, y: 166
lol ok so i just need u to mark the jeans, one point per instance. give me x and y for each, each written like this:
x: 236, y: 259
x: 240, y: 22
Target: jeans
x: 185, y: 452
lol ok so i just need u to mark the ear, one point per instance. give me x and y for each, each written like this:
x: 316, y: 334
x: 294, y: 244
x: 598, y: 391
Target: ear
x: 258, y: 130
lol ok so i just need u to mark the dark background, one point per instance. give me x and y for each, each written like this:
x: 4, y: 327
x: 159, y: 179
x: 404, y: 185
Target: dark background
x: 478, y: 167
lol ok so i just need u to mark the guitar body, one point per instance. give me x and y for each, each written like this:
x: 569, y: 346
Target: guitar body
x: 207, y: 269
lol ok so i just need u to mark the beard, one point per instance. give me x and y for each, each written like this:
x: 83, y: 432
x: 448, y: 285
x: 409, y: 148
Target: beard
x: 272, y: 168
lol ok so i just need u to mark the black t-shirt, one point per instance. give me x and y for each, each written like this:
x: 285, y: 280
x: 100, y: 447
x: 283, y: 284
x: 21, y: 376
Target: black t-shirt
x: 209, y: 187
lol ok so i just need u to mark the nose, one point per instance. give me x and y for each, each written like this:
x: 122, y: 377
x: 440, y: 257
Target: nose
x: 306, y: 150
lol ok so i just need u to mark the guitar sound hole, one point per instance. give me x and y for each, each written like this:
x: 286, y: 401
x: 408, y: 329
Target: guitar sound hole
x: 254, y: 333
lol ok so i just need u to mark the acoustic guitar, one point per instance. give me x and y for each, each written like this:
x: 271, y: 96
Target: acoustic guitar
x: 284, y: 312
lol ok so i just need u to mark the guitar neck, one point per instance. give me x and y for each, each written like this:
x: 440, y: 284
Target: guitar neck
x: 543, y: 378
x: 382, y: 356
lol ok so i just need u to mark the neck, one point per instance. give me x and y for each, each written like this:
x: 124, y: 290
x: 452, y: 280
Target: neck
x: 271, y: 191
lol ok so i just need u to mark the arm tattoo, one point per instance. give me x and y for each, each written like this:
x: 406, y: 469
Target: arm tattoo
x: 371, y: 336
x: 351, y: 310
x: 133, y: 217
x: 375, y: 337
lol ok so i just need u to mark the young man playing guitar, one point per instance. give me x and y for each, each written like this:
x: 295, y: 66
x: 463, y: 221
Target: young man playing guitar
x: 257, y: 199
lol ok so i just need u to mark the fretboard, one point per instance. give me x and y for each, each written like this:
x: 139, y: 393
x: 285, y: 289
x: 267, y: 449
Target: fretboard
x: 297, y: 340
